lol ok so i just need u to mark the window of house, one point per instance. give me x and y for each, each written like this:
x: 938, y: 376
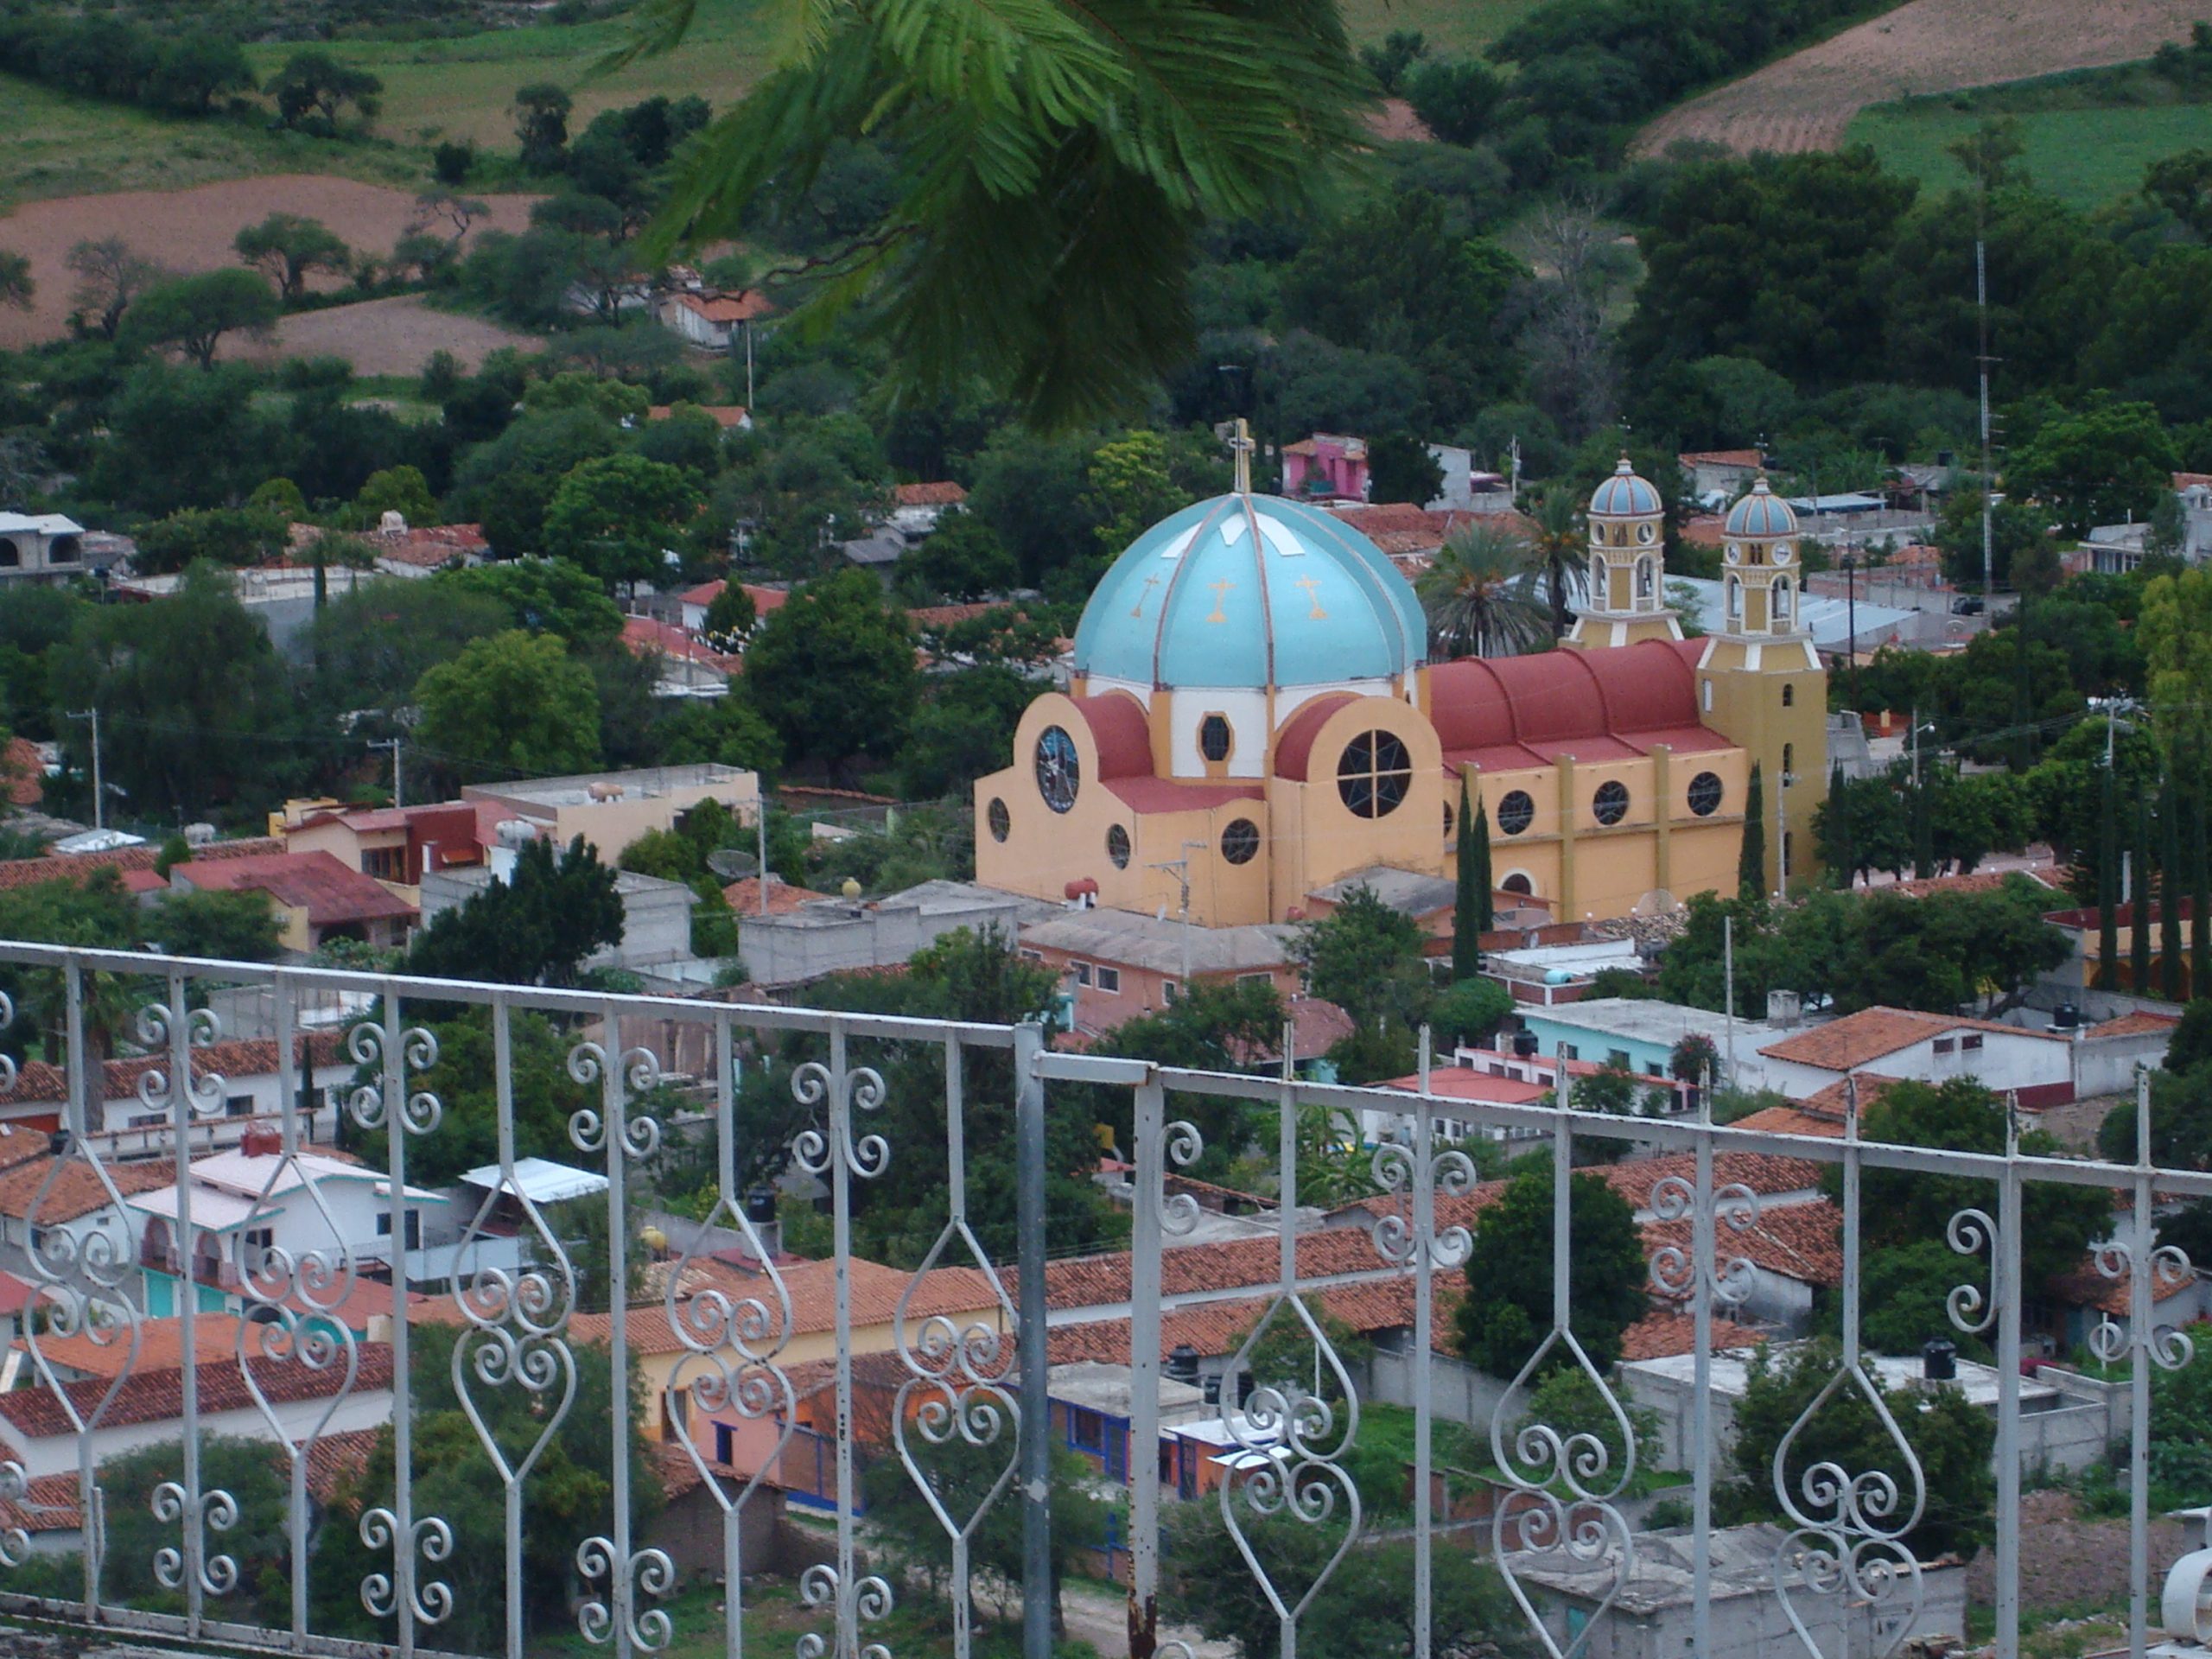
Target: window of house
x: 1617, y: 1058
x: 1086, y: 1430
x: 1110, y: 981
x: 1255, y: 979
x: 1082, y: 973
x: 384, y: 863
x: 238, y: 1106
x: 1971, y: 1041
x: 1945, y: 1045
x: 1569, y: 1051
x: 1167, y: 988
x: 10, y: 556
x: 413, y: 1228
x: 1032, y: 955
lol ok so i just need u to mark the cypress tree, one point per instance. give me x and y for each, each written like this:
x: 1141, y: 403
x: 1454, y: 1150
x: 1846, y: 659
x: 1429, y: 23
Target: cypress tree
x: 1923, y: 824
x: 2169, y: 881
x: 2200, y: 899
x: 2139, y: 901
x: 2109, y: 890
x: 1471, y: 913
x: 1750, y: 863
x: 1843, y: 860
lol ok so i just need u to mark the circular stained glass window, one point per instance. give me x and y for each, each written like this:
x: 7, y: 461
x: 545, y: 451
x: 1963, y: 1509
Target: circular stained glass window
x: 1374, y: 773
x: 1059, y: 769
x: 1609, y: 804
x: 1117, y: 847
x: 1704, y: 794
x: 1515, y: 812
x: 1240, y: 842
x: 1213, y: 738
x: 995, y: 815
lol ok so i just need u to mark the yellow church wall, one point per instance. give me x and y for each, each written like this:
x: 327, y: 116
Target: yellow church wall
x: 1319, y: 840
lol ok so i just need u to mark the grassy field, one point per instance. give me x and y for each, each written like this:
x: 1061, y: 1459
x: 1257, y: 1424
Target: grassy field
x: 56, y: 145
x: 2086, y: 156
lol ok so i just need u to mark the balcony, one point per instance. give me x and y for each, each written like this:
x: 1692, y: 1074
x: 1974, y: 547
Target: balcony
x: 450, y: 1481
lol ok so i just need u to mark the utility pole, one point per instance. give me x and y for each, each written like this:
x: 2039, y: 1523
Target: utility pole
x: 1182, y: 868
x: 760, y: 831
x: 1982, y: 325
x: 398, y: 797
x: 99, y: 792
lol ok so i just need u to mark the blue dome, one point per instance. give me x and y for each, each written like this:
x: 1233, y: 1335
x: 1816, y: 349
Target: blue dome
x: 1250, y: 591
x: 1761, y: 513
x: 1625, y: 495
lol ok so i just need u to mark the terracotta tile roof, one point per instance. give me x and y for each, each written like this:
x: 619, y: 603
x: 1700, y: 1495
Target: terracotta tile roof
x: 1802, y: 1242
x: 2085, y: 1286
x: 2140, y: 1023
x: 1767, y: 1175
x: 1317, y: 1024
x: 50, y: 1503
x: 945, y: 616
x: 1858, y: 1038
x: 20, y: 771
x: 876, y: 1291
x: 1463, y: 1083
x: 728, y: 416
x: 38, y: 1083
x: 1792, y: 1120
x: 727, y: 308
x: 744, y: 896
x: 943, y: 493
x: 1832, y: 1102
x: 645, y: 636
x: 1704, y: 529
x: 161, y: 1346
x: 1979, y: 881
x: 336, y: 1462
x: 2183, y: 480
x: 1664, y: 1334
x: 1186, y: 1269
x: 77, y: 866
x: 317, y: 882
x: 158, y: 1397
x: 77, y: 1191
x: 1722, y: 458
x: 1213, y: 1329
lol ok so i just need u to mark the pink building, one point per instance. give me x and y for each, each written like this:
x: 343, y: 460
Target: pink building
x: 1325, y: 466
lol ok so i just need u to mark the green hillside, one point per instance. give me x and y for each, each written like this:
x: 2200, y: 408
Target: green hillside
x: 2084, y: 157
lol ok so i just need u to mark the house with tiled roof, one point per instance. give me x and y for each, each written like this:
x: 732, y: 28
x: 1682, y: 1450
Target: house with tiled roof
x: 77, y: 1196
x: 1789, y: 1254
x: 316, y: 898
x: 1717, y: 477
x: 244, y: 1073
x: 2036, y: 1065
x: 79, y: 868
x: 688, y: 666
x: 916, y: 508
x: 710, y: 318
x: 43, y: 1428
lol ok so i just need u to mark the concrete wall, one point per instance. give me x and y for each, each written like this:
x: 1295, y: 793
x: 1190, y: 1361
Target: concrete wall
x: 1756, y: 1626
x: 1457, y: 1390
x: 786, y: 950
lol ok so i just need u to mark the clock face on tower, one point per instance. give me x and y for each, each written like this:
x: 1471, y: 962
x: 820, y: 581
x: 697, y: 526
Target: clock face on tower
x: 1059, y: 770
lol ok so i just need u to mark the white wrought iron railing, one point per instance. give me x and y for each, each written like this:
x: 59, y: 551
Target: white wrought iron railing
x: 977, y: 1379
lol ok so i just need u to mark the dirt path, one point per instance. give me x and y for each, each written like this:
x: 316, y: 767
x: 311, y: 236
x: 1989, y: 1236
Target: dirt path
x: 1806, y: 101
x: 1101, y: 1618
x: 192, y: 230
x: 389, y: 336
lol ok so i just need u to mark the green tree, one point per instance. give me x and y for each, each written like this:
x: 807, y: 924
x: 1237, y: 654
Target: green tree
x: 1366, y: 958
x: 1471, y: 898
x: 1457, y: 99
x: 2182, y: 184
x: 1400, y: 51
x: 1750, y: 861
x: 514, y: 703
x: 534, y: 927
x: 614, y: 516
x: 1400, y: 468
x: 403, y: 490
x: 229, y: 535
x: 224, y: 926
x: 312, y: 89
x: 2106, y: 462
x: 194, y: 71
x: 1131, y: 487
x: 16, y: 288
x: 962, y: 559
x: 1951, y: 1440
x: 1013, y: 258
x: 251, y: 1471
x: 541, y: 111
x: 289, y: 248
x: 1480, y: 597
x: 730, y: 615
x: 192, y: 313
x: 1509, y: 1304
x: 1470, y: 1011
x: 550, y: 596
x: 2018, y: 536
x: 1990, y: 155
x: 834, y: 647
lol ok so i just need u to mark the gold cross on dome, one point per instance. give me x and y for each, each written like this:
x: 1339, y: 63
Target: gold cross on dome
x: 1137, y: 610
x: 1313, y: 595
x: 1220, y: 592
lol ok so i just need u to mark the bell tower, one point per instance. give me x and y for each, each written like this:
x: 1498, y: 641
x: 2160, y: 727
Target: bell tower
x: 1760, y: 682
x: 1627, y: 578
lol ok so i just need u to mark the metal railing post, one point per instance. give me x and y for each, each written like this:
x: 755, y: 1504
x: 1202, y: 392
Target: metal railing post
x: 1036, y: 1441
x: 1150, y: 1151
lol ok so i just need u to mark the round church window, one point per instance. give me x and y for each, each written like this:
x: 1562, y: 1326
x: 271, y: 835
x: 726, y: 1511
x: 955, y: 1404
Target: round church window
x: 1373, y: 774
x: 1240, y: 842
x: 1117, y: 847
x: 1704, y: 794
x: 1515, y: 812
x: 996, y: 813
x: 1609, y: 804
x: 1059, y: 769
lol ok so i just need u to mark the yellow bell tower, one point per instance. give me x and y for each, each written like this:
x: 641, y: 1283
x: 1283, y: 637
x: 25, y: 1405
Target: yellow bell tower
x: 1760, y: 682
x: 1627, y: 598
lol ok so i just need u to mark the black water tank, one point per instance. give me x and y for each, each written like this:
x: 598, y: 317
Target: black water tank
x: 1939, y: 1360
x: 1182, y: 1364
x: 761, y: 1204
x: 1524, y: 1045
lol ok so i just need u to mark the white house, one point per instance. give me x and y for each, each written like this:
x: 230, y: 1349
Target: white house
x: 916, y: 508
x: 708, y: 318
x: 42, y: 1194
x: 243, y: 1202
x: 40, y: 547
x: 38, y: 1431
x: 1925, y: 1048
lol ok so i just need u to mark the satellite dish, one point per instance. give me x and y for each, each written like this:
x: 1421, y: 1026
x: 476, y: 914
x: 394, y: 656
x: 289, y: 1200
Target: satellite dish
x: 1657, y: 902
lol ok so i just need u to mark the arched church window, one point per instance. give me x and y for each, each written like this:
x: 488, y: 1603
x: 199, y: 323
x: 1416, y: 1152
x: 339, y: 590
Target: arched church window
x: 1515, y: 812
x: 1240, y: 842
x: 1643, y: 577
x: 1214, y: 737
x: 1610, y: 804
x: 1517, y: 882
x: 1788, y: 697
x: 1781, y: 602
x: 1373, y: 774
x: 1644, y: 533
x: 1789, y: 761
x: 1704, y: 794
x: 1598, y: 581
x: 1735, y: 598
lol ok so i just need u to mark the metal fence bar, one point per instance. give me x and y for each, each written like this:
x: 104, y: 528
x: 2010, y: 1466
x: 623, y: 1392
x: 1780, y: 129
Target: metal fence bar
x: 2141, y: 1311
x: 1150, y: 1149
x: 2008, y: 1252
x: 1037, y: 1588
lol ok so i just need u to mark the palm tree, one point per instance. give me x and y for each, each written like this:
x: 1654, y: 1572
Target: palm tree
x: 1558, y: 547
x: 1481, y: 596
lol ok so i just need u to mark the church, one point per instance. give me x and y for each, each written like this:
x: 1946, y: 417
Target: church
x: 1253, y: 713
